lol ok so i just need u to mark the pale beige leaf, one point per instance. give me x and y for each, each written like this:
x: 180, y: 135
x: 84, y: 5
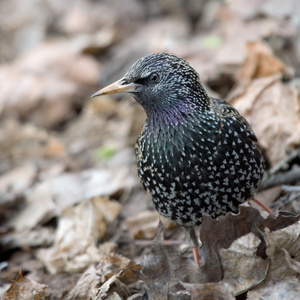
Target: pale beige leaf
x: 293, y: 264
x: 272, y: 108
x: 78, y: 231
x: 25, y: 289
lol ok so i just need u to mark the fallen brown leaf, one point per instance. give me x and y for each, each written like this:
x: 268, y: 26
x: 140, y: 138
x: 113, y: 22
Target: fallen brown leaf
x: 143, y: 225
x: 25, y: 289
x: 49, y: 197
x: 272, y: 108
x: 164, y: 267
x: 260, y: 62
x: 113, y: 273
x: 293, y: 264
x: 78, y: 231
x: 46, y: 75
x: 243, y: 270
x: 220, y: 291
x: 288, y: 289
x: 26, y: 143
x: 112, y: 289
x: 231, y: 227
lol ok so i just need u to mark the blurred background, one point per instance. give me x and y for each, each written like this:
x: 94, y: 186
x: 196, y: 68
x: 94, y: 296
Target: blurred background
x: 67, y: 161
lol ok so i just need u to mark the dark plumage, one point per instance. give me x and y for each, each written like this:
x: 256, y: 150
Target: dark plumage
x: 196, y: 155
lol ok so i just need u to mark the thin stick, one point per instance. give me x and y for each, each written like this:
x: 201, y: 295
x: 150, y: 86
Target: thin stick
x: 288, y: 177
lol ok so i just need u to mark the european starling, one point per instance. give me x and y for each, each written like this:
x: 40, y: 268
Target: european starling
x: 196, y: 155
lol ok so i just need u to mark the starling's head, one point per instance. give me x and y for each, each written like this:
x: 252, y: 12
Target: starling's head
x: 161, y: 81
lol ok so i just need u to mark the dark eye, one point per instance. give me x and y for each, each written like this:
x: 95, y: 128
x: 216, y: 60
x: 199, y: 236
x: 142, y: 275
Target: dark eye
x: 154, y: 77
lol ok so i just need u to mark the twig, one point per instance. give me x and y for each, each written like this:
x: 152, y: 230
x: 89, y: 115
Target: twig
x: 284, y: 164
x: 291, y: 189
x: 165, y: 242
x: 285, y: 200
x: 288, y: 177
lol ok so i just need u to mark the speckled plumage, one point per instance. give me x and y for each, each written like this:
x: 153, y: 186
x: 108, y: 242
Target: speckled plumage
x: 196, y: 155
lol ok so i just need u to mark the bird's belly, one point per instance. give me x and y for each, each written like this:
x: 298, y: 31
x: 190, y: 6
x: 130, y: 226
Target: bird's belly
x: 183, y: 191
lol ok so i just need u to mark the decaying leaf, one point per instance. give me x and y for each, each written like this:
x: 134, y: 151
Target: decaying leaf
x: 163, y: 268
x: 62, y: 154
x: 38, y: 237
x: 113, y: 288
x: 235, y: 242
x: 112, y: 264
x: 25, y: 289
x: 15, y: 183
x: 78, y: 231
x: 289, y: 289
x: 51, y: 196
x: 226, y: 229
x: 272, y: 108
x: 39, y: 93
x: 112, y: 274
x: 82, y: 290
x: 293, y: 264
x: 143, y: 225
x: 242, y: 270
x: 22, y: 144
x: 289, y: 239
x: 229, y: 228
x: 260, y: 62
x: 220, y: 291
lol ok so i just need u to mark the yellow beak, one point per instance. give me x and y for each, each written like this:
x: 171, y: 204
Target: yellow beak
x: 119, y: 86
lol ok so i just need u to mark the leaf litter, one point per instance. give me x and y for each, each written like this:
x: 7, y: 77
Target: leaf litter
x: 73, y: 216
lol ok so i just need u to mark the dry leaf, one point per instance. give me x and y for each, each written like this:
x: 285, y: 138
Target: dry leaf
x: 25, y: 289
x: 163, y: 268
x: 38, y: 237
x: 49, y: 79
x: 231, y: 227
x: 143, y: 225
x: 289, y: 239
x: 242, y: 270
x: 78, y: 231
x: 273, y: 110
x: 82, y: 290
x: 220, y: 291
x: 281, y: 279
x: 113, y: 273
x: 260, y: 62
x: 22, y: 143
x: 113, y: 288
x: 289, y: 289
x: 13, y: 186
x: 293, y: 264
x: 51, y: 196
x: 226, y: 229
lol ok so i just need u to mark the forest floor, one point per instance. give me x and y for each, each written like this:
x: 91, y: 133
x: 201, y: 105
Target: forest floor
x: 75, y: 222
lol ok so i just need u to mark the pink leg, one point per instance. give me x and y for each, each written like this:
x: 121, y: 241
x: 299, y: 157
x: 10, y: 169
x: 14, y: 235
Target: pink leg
x: 266, y: 208
x: 196, y: 256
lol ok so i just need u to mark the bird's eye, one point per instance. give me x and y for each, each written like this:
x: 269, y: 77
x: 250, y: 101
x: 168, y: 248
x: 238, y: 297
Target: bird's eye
x: 154, y: 77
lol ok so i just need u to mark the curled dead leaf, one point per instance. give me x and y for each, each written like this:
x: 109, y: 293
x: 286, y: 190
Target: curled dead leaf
x: 112, y: 289
x: 231, y: 227
x: 293, y: 264
x: 111, y: 276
